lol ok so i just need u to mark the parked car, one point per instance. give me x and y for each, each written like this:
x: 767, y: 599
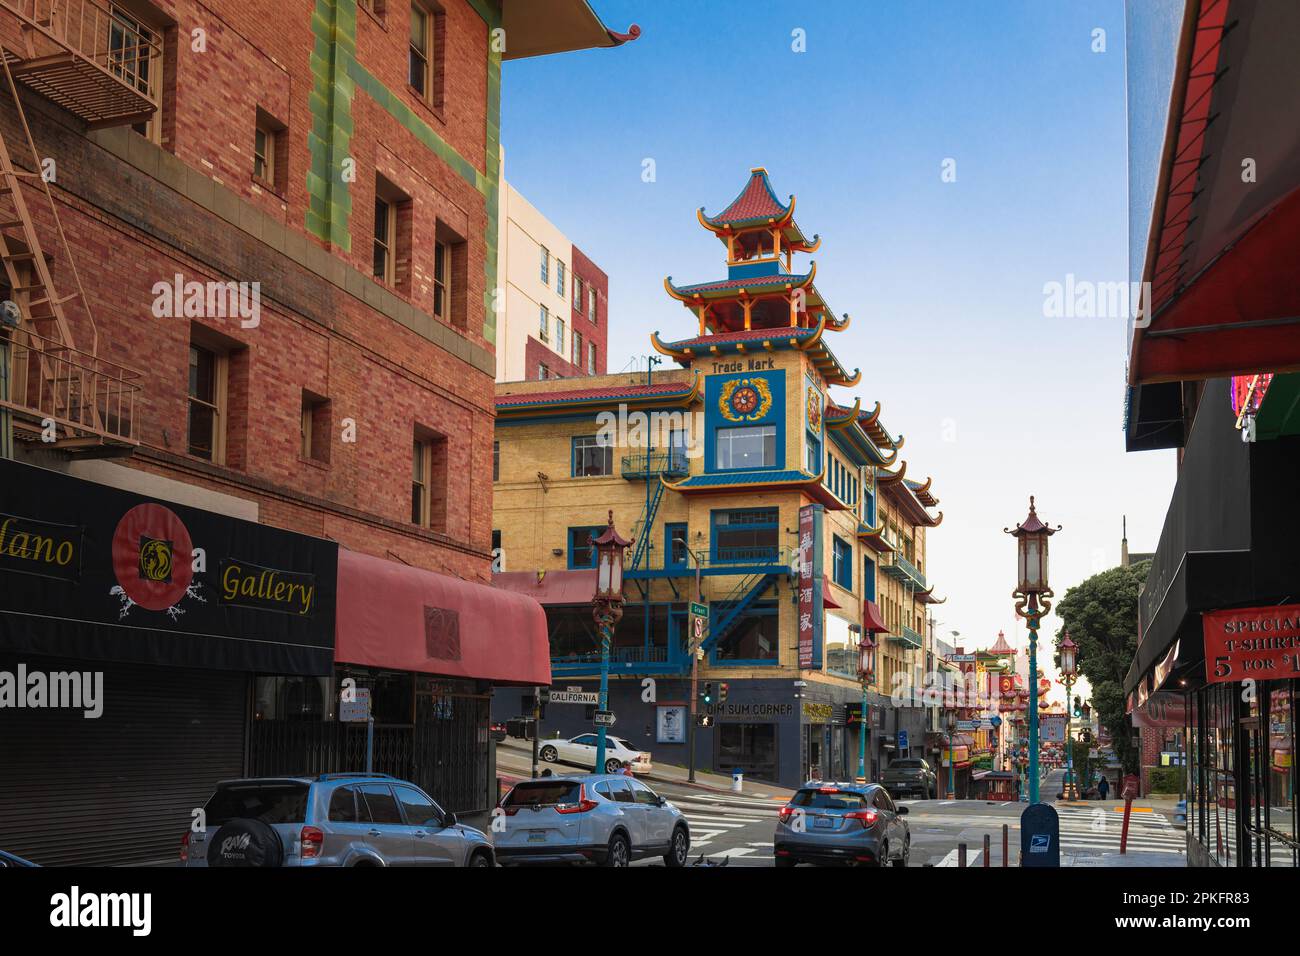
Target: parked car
x: 335, y: 819
x: 842, y: 823
x: 606, y: 819
x: 581, y: 750
x: 497, y: 731
x: 910, y: 775
x: 11, y: 860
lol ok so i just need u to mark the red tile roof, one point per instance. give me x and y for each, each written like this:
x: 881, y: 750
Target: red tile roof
x: 743, y: 335
x: 580, y: 394
x: 756, y: 201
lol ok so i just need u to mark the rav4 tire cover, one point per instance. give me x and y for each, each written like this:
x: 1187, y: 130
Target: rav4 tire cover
x: 244, y: 841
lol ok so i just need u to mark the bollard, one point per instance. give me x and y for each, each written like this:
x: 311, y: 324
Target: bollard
x: 961, y: 855
x: 986, y: 851
x: 1004, y: 844
x: 1130, y: 791
x: 737, y: 780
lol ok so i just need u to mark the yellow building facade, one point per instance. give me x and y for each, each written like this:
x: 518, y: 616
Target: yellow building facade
x: 746, y: 485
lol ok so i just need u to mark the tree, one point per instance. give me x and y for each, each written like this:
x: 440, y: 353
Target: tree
x: 1101, y: 615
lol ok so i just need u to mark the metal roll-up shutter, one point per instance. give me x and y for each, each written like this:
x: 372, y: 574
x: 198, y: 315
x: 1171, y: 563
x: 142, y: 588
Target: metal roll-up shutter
x: 119, y: 789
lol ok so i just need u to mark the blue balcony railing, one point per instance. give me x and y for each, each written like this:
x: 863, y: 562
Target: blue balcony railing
x: 898, y: 567
x: 908, y: 638
x: 672, y: 463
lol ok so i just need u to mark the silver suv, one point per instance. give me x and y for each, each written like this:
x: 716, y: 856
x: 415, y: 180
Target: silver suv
x: 339, y: 819
x: 589, y: 818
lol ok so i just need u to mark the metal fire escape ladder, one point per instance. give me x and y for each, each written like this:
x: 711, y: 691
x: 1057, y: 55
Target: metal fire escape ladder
x: 89, y: 399
x: 647, y: 521
x: 745, y: 593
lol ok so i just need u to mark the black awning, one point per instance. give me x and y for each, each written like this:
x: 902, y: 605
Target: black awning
x: 1203, y: 581
x: 92, y: 572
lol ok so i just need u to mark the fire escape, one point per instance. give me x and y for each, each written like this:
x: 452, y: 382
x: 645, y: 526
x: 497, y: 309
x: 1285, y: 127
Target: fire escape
x: 101, y: 65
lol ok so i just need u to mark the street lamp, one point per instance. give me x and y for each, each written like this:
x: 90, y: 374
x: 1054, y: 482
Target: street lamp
x: 607, y: 610
x: 1068, y: 671
x: 1033, y: 601
x: 952, y: 733
x: 867, y: 673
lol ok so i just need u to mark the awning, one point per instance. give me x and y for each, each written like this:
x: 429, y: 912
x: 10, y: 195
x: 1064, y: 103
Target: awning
x: 540, y: 27
x: 549, y: 587
x: 828, y: 599
x: 395, y: 616
x: 872, y: 620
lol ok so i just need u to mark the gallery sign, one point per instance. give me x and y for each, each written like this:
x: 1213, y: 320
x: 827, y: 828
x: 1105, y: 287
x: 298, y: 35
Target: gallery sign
x: 91, y: 571
x: 1258, y: 643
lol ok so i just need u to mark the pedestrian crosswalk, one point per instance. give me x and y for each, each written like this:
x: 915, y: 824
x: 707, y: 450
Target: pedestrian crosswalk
x: 715, y: 820
x: 1099, y: 828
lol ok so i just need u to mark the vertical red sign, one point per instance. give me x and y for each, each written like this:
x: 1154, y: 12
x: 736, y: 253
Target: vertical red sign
x: 805, y: 586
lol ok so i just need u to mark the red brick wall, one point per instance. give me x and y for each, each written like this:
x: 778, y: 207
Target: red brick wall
x: 592, y: 275
x: 535, y: 354
x: 128, y: 230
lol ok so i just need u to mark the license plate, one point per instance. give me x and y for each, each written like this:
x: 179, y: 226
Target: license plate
x: 824, y: 822
x: 536, y: 836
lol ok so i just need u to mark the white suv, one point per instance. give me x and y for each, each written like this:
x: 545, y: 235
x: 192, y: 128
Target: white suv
x: 581, y: 750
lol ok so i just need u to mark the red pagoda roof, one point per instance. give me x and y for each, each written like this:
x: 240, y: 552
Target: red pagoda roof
x: 756, y: 201
x: 667, y: 393
x: 1001, y: 646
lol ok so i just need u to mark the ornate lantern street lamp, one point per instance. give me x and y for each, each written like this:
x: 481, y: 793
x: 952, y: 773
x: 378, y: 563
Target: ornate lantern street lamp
x: 1069, y: 670
x: 867, y: 674
x: 1033, y: 601
x: 607, y: 610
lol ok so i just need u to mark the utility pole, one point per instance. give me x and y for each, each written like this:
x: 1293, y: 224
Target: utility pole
x: 694, y: 647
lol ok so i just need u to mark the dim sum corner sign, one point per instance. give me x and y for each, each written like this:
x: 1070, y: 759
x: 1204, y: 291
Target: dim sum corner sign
x: 1252, y: 643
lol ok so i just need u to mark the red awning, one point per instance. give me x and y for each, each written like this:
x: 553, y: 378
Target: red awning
x: 871, y: 619
x: 395, y: 616
x: 827, y: 599
x: 551, y: 587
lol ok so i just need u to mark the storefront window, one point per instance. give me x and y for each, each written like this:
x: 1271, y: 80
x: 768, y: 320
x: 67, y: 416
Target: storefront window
x: 751, y: 747
x: 294, y: 698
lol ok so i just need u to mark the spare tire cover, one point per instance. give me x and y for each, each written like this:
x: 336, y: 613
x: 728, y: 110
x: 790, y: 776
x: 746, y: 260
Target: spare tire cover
x: 245, y: 841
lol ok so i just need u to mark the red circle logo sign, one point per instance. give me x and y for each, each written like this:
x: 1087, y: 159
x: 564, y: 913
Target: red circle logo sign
x: 152, y: 555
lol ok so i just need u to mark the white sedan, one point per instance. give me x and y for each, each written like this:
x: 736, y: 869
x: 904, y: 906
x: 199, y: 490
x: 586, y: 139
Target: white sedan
x: 581, y: 750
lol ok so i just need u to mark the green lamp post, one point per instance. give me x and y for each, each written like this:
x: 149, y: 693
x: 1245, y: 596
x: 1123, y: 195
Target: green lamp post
x: 607, y: 610
x: 1033, y: 602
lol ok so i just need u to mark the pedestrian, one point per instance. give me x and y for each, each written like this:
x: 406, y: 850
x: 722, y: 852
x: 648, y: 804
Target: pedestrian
x: 627, y: 769
x: 1103, y: 787
x: 546, y: 772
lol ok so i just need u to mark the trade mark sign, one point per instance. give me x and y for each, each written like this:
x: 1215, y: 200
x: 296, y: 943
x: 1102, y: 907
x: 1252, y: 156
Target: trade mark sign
x: 1252, y: 643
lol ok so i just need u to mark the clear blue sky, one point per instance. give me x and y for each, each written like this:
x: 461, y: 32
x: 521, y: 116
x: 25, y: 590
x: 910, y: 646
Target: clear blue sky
x: 944, y: 280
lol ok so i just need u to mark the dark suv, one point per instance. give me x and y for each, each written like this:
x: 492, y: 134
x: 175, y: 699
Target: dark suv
x: 910, y: 775
x: 335, y: 819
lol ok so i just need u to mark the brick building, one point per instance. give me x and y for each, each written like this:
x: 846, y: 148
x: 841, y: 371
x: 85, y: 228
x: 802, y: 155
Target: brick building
x: 251, y: 253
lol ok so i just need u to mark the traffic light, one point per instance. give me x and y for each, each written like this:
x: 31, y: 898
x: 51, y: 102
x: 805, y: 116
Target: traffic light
x: 722, y: 692
x: 708, y: 695
x: 1078, y: 706
x: 704, y: 720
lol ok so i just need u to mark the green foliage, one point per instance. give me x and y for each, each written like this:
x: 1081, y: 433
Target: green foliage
x: 1166, y: 779
x: 1101, y: 615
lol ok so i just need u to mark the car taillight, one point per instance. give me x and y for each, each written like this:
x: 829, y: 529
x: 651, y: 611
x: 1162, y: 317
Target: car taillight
x: 867, y: 817
x: 185, y: 847
x: 312, y: 839
x: 582, y: 806
x: 785, y: 814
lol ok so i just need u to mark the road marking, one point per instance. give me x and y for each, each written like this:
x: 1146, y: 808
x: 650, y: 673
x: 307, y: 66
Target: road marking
x: 761, y: 844
x: 720, y: 824
x: 734, y: 851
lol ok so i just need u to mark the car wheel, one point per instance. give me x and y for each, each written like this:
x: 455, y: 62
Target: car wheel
x: 907, y: 853
x: 679, y: 849
x: 884, y: 856
x: 480, y: 859
x: 548, y: 754
x: 785, y: 862
x: 618, y: 853
x: 613, y: 765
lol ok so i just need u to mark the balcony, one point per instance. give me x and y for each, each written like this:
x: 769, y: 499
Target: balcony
x: 672, y: 464
x: 901, y: 569
x: 95, y: 61
x: 622, y: 660
x: 907, y: 637
x: 90, y: 401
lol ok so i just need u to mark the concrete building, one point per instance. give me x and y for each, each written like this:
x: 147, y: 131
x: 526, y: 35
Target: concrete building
x: 554, y: 320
